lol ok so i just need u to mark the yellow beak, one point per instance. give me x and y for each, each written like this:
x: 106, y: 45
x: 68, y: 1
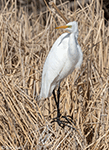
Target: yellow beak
x: 61, y: 27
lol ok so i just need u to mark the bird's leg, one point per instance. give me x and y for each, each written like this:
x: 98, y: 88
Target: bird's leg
x: 68, y: 118
x: 58, y: 97
x: 54, y: 96
x: 57, y: 119
x: 57, y: 104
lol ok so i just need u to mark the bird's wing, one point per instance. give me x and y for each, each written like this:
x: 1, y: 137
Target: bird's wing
x: 54, y: 63
x: 56, y: 57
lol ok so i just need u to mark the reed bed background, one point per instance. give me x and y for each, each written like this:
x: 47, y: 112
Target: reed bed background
x: 25, y: 41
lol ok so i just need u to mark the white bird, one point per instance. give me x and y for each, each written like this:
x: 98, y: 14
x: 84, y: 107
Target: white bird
x: 64, y: 56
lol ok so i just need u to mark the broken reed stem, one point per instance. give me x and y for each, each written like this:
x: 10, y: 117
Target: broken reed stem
x: 91, y: 51
x: 59, y: 12
x: 89, y: 67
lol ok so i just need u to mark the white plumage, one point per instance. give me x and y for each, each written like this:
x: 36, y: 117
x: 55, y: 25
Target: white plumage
x: 64, y: 56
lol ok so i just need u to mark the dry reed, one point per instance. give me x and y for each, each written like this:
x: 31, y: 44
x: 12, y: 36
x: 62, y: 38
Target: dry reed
x: 25, y: 41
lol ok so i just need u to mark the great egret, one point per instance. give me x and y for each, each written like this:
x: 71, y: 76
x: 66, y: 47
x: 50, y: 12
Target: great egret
x: 64, y: 56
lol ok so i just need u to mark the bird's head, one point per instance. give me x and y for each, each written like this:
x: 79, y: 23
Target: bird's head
x: 72, y: 27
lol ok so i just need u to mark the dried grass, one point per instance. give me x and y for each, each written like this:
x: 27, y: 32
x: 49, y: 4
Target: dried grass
x: 25, y: 41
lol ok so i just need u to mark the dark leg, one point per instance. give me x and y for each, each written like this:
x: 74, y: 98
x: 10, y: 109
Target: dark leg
x: 57, y: 101
x: 58, y: 97
x: 54, y: 96
x: 57, y: 119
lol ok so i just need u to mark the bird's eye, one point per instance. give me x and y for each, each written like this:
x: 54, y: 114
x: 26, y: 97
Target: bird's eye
x: 69, y: 26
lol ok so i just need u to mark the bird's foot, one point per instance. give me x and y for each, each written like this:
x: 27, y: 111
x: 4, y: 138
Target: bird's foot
x: 62, y: 123
x: 69, y: 119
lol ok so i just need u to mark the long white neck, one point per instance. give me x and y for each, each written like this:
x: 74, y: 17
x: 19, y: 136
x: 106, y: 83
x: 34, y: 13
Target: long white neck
x: 72, y: 49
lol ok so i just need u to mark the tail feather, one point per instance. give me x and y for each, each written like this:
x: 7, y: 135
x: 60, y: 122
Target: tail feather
x: 44, y: 90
